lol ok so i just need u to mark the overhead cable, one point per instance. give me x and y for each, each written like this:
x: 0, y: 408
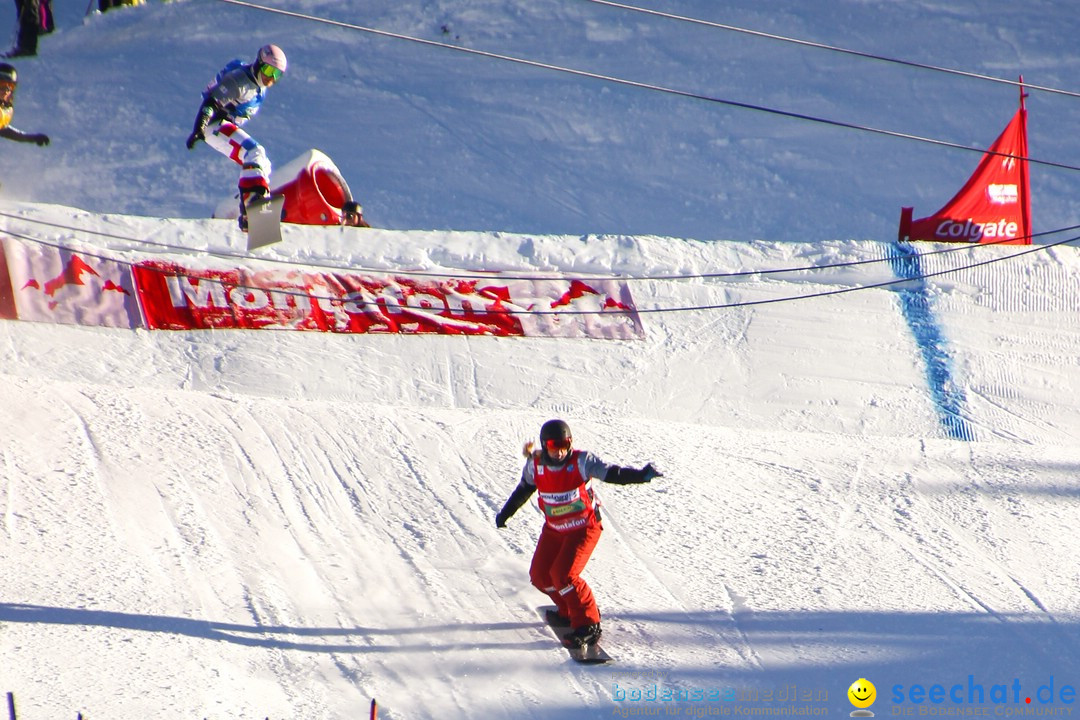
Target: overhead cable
x: 644, y: 85
x: 609, y: 311
x: 834, y: 48
x: 481, y: 274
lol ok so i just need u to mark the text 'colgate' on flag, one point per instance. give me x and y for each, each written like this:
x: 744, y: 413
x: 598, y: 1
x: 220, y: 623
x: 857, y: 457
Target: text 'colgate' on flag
x: 179, y: 298
x: 993, y: 206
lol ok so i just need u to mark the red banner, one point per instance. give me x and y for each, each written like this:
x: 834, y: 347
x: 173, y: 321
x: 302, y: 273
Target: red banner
x: 993, y: 206
x: 42, y: 283
x: 179, y: 298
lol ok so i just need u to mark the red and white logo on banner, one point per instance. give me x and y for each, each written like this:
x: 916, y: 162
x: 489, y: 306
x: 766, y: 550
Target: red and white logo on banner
x: 174, y: 297
x: 63, y: 286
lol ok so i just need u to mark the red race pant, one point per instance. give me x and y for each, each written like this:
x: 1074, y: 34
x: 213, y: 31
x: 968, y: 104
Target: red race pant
x: 556, y: 571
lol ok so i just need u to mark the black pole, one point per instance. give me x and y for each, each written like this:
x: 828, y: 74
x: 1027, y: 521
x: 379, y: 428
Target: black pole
x: 11, y: 705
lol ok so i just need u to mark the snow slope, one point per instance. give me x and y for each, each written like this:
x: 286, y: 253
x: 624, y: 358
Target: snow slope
x: 434, y: 138
x: 873, y: 483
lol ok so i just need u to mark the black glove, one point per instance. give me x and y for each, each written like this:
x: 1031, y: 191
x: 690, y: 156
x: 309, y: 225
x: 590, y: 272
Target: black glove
x: 206, y: 111
x: 630, y: 476
x: 41, y: 139
x: 519, y: 497
x: 649, y: 472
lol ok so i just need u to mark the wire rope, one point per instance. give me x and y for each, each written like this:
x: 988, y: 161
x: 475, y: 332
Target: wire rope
x: 646, y: 86
x: 834, y: 48
x: 609, y: 311
x: 478, y: 274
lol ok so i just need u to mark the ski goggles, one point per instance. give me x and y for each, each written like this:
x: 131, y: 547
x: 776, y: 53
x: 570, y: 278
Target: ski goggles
x: 270, y: 72
x: 554, y: 446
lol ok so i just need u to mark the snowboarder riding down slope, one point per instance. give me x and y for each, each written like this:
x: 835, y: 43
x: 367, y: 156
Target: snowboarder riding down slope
x: 571, y: 522
x: 229, y: 101
x: 8, y: 80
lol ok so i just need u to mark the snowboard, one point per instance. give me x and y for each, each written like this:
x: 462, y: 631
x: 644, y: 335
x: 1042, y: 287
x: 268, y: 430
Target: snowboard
x: 264, y: 222
x: 588, y: 655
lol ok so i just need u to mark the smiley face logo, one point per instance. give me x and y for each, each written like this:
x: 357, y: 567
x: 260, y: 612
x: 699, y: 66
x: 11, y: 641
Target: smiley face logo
x: 862, y: 693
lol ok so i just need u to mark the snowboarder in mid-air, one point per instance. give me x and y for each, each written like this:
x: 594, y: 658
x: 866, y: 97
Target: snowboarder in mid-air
x: 8, y: 80
x: 571, y: 523
x: 229, y: 101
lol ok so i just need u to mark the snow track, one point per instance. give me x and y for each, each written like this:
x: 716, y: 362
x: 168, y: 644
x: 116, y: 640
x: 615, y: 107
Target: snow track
x: 294, y: 523
x: 252, y: 525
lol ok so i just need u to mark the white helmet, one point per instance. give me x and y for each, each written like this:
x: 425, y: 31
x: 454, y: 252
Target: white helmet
x: 273, y: 56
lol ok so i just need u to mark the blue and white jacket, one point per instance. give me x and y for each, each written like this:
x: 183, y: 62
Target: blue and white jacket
x: 235, y: 93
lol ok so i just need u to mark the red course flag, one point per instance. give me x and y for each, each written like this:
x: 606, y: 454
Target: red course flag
x: 993, y: 206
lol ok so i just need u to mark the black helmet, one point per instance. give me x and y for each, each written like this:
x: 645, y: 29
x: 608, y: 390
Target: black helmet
x: 555, y: 430
x: 557, y: 433
x: 7, y: 72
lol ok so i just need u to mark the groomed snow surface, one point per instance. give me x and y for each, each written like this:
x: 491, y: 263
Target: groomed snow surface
x: 873, y: 483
